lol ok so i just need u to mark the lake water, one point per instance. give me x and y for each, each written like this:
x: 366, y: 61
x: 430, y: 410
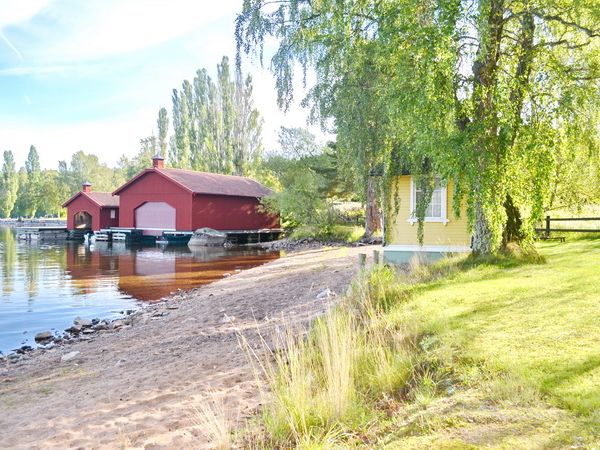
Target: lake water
x: 44, y: 286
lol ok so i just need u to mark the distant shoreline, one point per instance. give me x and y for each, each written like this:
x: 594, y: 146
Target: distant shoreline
x: 32, y: 222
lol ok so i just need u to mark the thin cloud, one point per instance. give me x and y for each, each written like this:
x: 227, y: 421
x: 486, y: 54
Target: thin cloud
x: 70, y: 31
x: 10, y: 45
x: 16, y: 12
x: 35, y: 70
x: 132, y: 53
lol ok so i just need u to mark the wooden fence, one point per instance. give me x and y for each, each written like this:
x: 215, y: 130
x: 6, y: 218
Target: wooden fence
x: 548, y: 228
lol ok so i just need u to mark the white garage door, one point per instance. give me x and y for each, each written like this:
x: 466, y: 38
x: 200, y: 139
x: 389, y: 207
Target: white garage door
x: 155, y: 215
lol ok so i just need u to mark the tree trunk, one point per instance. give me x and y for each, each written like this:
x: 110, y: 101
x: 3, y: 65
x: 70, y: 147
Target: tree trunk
x: 372, y: 213
x: 482, y: 234
x: 512, y: 229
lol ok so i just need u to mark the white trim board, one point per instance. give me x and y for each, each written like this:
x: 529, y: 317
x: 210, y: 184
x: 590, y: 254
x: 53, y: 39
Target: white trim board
x: 427, y: 248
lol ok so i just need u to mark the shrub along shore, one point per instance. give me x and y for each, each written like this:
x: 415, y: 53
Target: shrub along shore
x: 467, y: 352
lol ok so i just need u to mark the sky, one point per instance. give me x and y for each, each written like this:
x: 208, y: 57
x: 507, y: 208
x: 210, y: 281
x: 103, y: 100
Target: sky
x: 91, y: 75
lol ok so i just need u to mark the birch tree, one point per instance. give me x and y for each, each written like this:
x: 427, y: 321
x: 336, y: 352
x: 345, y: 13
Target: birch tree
x: 478, y: 92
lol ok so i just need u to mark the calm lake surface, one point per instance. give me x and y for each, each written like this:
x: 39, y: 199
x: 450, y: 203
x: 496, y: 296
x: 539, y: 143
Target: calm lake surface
x: 45, y: 286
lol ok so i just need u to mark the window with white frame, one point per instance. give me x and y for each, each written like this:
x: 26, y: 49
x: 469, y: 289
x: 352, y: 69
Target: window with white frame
x: 113, y: 213
x: 436, y: 210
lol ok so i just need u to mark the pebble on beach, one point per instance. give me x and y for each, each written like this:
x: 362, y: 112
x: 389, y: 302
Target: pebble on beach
x: 69, y: 356
x: 44, y: 336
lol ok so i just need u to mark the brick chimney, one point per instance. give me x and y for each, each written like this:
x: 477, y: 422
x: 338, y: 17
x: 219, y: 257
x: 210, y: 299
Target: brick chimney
x: 86, y: 187
x: 158, y: 162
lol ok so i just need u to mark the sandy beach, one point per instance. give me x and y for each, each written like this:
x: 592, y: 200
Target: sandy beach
x: 137, y: 387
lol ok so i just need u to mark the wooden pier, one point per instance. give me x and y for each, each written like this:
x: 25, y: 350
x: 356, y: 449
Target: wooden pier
x: 171, y: 237
x: 118, y: 234
x: 42, y: 234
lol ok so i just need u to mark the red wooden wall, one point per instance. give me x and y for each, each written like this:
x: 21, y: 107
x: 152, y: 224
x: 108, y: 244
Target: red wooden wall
x: 221, y: 212
x: 106, y: 221
x: 230, y: 213
x: 100, y: 216
x: 155, y: 188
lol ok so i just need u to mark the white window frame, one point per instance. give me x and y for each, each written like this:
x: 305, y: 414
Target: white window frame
x: 413, y: 204
x: 113, y: 213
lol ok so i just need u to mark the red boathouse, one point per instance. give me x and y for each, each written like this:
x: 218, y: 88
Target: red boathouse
x: 91, y: 211
x: 163, y: 199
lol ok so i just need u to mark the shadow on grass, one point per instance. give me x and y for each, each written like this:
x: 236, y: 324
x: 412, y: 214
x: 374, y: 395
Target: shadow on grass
x: 491, y: 267
x: 583, y: 401
x: 566, y: 374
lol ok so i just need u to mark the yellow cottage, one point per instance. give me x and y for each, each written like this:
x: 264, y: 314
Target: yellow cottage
x: 443, y: 233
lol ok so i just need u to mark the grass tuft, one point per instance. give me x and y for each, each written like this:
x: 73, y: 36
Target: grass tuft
x: 212, y: 418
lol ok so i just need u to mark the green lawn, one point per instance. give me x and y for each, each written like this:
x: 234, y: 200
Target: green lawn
x: 540, y: 322
x: 531, y: 328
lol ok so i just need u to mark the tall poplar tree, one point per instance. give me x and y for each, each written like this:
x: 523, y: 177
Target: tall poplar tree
x: 163, y: 130
x: 9, y: 184
x: 176, y: 143
x: 216, y: 126
x: 32, y: 191
x: 201, y: 157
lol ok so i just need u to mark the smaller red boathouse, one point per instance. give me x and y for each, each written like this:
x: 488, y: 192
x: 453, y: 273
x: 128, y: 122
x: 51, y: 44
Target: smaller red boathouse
x: 91, y: 211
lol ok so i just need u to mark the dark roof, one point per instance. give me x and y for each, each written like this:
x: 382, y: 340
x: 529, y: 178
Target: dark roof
x: 102, y: 199
x: 208, y: 183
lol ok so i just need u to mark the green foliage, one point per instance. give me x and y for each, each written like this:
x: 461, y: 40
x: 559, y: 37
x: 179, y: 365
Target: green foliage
x: 310, y: 182
x: 216, y: 126
x: 335, y: 233
x: 52, y: 195
x: 87, y: 167
x: 297, y: 143
x: 301, y: 202
x: 163, y: 130
x: 36, y: 192
x: 21, y: 207
x: 488, y: 94
x: 30, y: 191
x: 9, y: 184
x: 129, y: 167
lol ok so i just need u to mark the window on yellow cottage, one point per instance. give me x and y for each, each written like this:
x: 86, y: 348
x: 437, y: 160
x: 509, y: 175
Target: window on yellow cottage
x: 436, y: 210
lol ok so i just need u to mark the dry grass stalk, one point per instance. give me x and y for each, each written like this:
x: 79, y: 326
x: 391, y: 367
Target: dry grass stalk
x: 212, y: 417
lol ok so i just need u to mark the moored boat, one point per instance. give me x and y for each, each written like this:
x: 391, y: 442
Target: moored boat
x: 207, y: 237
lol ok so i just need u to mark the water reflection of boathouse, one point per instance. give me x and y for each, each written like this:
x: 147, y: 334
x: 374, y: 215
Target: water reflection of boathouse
x: 152, y: 273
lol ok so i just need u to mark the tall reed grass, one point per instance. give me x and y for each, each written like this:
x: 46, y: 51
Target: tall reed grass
x: 321, y: 384
x: 330, y: 386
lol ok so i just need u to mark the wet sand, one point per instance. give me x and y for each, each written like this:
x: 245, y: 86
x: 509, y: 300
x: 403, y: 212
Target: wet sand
x: 137, y: 387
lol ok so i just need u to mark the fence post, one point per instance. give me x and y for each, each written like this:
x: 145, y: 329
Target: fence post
x: 362, y: 260
x: 376, y: 257
x: 547, y: 226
